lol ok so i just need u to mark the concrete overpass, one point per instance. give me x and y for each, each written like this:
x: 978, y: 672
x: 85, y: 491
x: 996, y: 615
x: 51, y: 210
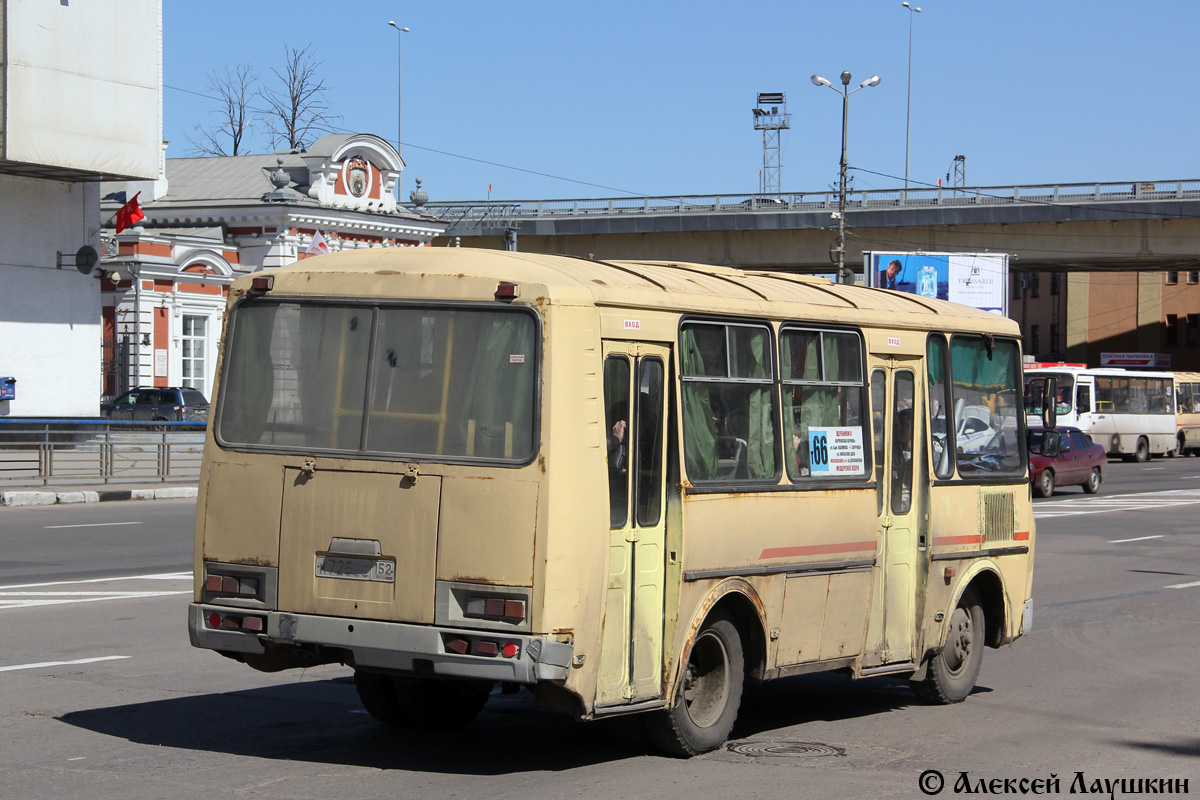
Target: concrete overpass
x: 1140, y: 225
x: 1123, y: 258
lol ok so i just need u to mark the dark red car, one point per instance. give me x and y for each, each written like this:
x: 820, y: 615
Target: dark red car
x: 1064, y: 457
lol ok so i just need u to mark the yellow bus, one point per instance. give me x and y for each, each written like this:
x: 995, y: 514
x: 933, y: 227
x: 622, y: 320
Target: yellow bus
x: 1187, y: 413
x: 627, y: 486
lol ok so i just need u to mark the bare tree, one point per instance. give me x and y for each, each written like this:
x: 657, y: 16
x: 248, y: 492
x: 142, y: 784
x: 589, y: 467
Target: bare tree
x: 236, y: 88
x: 297, y: 110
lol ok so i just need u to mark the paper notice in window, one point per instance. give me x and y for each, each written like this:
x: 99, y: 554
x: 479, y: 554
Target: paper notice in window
x: 836, y: 451
x: 516, y: 358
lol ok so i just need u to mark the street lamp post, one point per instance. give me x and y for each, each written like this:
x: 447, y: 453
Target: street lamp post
x: 845, y: 92
x: 912, y: 11
x: 399, y: 33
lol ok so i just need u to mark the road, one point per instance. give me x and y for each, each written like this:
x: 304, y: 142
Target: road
x: 101, y: 695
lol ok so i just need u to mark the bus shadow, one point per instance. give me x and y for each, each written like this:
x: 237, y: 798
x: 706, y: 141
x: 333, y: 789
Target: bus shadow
x: 323, y: 722
x: 821, y: 697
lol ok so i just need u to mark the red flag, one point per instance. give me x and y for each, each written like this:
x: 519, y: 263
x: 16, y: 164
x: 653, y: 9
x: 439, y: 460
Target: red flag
x: 130, y: 214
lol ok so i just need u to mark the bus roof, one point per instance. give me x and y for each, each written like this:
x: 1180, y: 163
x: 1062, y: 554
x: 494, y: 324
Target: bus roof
x: 665, y: 285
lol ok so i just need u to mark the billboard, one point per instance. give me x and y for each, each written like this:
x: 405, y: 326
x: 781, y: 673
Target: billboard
x: 979, y: 280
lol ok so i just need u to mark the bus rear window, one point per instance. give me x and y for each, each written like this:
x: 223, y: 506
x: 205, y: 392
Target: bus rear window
x: 455, y: 383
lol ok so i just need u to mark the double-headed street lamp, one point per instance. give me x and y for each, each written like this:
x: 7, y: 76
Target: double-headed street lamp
x: 845, y: 92
x: 912, y: 12
x: 399, y: 35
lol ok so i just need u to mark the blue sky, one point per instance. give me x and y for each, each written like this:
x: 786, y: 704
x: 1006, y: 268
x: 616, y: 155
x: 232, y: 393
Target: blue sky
x: 575, y: 99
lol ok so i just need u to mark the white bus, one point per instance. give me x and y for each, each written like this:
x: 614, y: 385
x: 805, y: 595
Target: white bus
x: 1130, y: 413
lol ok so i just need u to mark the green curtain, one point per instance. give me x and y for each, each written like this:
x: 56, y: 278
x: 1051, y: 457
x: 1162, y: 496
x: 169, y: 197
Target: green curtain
x: 760, y: 456
x: 699, y: 432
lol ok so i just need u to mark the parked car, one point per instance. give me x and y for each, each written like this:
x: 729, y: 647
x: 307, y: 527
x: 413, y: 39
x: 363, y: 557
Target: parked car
x: 157, y: 404
x: 1064, y: 456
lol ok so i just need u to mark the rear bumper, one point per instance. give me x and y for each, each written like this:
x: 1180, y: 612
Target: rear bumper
x: 389, y: 646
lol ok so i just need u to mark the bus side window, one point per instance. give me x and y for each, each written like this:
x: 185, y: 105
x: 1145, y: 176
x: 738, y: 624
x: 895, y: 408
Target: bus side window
x: 616, y: 427
x: 877, y: 406
x: 1083, y: 399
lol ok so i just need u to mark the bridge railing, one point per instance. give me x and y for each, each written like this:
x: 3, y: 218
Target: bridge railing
x: 470, y: 213
x: 106, y: 452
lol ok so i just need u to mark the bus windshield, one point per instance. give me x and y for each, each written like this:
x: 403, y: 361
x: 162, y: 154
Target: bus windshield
x: 431, y: 382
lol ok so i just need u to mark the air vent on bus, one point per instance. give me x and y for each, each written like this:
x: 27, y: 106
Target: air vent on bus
x: 998, y: 517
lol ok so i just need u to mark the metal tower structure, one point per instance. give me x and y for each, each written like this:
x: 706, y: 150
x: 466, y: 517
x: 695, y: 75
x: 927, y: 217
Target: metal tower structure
x: 771, y: 117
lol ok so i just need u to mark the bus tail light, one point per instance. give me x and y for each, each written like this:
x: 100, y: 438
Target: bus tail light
x: 231, y: 585
x: 263, y: 283
x: 503, y: 608
x: 237, y: 622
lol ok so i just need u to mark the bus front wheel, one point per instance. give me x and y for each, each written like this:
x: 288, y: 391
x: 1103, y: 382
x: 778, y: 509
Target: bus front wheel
x: 952, y: 673
x: 1142, y: 454
x: 710, y: 692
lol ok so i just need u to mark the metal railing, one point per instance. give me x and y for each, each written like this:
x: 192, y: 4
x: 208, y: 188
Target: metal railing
x: 475, y: 213
x: 98, y: 452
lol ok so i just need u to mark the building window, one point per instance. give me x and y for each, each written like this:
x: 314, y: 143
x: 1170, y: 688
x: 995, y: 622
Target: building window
x: 1194, y: 276
x: 1055, y: 282
x: 1035, y: 284
x: 1018, y: 280
x: 1172, y: 277
x: 1035, y: 344
x: 194, y: 339
x: 1193, y: 333
x: 1054, y: 337
x: 1171, y: 332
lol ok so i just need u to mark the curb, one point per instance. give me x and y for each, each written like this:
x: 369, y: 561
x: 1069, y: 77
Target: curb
x: 49, y: 498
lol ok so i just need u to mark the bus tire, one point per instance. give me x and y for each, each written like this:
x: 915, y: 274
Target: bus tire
x: 421, y: 702
x: 709, y: 695
x: 439, y: 704
x: 378, y: 696
x: 1142, y: 453
x: 1045, y: 485
x: 1093, y: 482
x: 952, y: 673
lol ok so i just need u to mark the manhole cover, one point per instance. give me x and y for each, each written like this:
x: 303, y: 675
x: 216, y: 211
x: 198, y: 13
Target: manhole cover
x: 757, y: 749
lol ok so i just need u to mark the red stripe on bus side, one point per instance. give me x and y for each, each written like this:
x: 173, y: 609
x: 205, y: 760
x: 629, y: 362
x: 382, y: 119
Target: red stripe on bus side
x: 974, y: 538
x: 817, y: 549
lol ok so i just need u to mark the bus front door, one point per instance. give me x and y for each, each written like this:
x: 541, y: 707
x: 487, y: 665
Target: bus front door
x: 635, y: 425
x: 900, y: 468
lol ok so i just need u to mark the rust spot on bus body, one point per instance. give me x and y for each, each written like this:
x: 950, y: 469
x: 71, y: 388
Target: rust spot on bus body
x: 476, y: 579
x: 542, y: 464
x: 245, y: 562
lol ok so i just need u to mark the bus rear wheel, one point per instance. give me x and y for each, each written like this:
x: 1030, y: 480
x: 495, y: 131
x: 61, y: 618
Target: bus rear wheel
x: 1142, y: 453
x: 709, y: 695
x: 421, y: 702
x: 951, y: 674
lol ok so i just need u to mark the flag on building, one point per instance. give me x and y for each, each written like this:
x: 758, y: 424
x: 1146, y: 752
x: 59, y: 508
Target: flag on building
x: 318, y: 244
x: 130, y: 214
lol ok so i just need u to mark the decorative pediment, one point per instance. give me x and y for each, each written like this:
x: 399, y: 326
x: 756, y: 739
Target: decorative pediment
x: 356, y: 172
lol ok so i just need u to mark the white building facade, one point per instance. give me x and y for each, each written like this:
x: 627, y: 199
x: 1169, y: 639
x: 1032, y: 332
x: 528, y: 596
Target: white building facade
x: 66, y: 68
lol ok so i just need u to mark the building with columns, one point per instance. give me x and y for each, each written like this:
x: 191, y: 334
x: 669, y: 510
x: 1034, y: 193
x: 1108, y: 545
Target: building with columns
x: 209, y: 220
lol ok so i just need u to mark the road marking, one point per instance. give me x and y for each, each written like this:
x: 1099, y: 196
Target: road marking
x: 91, y: 525
x: 1145, y: 501
x: 62, y: 663
x: 55, y: 594
x: 1138, y: 539
x: 1151, y: 469
x: 1182, y: 585
x: 31, y: 599
x: 162, y: 576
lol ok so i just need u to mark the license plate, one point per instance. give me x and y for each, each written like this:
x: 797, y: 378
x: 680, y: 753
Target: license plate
x: 356, y: 569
